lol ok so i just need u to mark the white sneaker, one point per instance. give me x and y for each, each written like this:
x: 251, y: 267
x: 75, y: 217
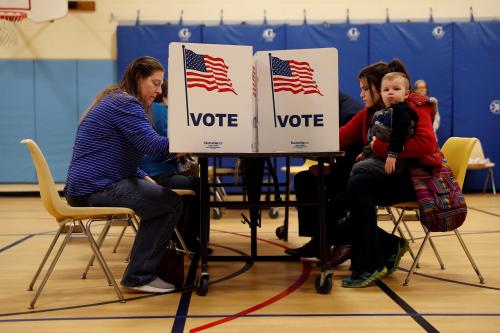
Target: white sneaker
x: 155, y: 286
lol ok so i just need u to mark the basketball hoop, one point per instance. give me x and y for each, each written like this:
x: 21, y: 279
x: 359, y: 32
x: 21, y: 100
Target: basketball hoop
x: 9, y: 22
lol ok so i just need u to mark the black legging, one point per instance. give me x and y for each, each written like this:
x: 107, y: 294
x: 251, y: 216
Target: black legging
x: 372, y: 246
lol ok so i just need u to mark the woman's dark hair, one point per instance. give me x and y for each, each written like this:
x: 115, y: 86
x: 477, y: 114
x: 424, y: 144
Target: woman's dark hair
x: 375, y: 72
x: 140, y: 68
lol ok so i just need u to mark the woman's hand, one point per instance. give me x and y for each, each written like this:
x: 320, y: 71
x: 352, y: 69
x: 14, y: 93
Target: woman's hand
x: 149, y: 179
x: 360, y: 157
x: 390, y: 164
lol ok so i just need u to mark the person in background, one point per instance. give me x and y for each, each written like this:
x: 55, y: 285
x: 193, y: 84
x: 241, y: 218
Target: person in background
x: 113, y: 135
x: 166, y: 173
x: 420, y: 87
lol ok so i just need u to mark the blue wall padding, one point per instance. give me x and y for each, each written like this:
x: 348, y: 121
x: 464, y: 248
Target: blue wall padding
x: 476, y: 87
x: 92, y: 77
x: 350, y: 40
x: 427, y: 51
x: 151, y: 40
x: 56, y: 114
x: 18, y: 120
x: 260, y: 37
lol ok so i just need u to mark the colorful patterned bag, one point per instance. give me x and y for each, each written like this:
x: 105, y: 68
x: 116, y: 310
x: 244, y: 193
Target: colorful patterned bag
x: 440, y: 199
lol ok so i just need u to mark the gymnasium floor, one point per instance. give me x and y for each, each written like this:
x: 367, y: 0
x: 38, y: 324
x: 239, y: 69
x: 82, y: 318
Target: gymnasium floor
x: 263, y: 297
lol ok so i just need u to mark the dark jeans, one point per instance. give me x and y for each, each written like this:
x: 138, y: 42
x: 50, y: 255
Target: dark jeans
x: 189, y: 226
x: 372, y: 246
x: 159, y: 208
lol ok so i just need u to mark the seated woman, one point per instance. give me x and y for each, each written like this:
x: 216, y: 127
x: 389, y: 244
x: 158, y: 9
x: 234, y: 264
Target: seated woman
x: 375, y: 252
x: 113, y: 135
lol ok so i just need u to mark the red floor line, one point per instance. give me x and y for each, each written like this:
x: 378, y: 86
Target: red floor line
x: 306, y: 271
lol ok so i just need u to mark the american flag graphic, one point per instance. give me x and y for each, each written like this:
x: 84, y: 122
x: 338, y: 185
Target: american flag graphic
x: 207, y: 72
x: 293, y: 76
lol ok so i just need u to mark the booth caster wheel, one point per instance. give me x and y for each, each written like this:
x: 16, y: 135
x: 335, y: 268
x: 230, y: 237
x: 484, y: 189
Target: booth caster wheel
x: 327, y: 283
x: 280, y: 232
x: 202, y: 285
x: 274, y: 212
x: 217, y: 213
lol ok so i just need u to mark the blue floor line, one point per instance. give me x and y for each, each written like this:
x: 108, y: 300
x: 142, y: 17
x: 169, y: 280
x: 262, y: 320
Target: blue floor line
x: 268, y: 315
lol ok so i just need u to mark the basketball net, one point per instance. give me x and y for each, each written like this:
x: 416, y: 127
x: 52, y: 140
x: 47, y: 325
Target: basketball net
x: 9, y: 22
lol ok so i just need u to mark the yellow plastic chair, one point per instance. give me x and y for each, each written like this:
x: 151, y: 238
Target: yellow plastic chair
x: 68, y: 217
x: 295, y: 169
x: 456, y: 150
x: 478, y: 161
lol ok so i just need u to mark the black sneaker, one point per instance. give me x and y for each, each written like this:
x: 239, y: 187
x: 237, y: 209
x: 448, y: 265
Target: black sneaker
x: 308, y: 250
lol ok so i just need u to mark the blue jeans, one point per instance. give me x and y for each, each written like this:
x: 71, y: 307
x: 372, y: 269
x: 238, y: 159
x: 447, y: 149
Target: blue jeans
x: 159, y: 208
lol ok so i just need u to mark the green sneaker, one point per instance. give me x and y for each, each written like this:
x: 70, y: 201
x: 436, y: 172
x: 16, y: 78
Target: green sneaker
x: 393, y: 262
x: 364, y: 279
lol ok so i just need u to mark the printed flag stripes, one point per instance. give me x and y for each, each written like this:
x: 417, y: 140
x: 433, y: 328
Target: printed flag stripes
x: 293, y: 76
x: 207, y: 72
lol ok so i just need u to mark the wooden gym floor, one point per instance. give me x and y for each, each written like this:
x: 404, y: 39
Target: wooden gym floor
x: 264, y: 297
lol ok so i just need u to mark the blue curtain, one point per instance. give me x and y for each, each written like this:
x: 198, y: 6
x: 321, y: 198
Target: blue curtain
x: 426, y: 49
x: 476, y: 89
x: 152, y: 40
x: 350, y: 40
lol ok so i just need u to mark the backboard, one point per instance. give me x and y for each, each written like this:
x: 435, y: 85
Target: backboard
x: 37, y: 10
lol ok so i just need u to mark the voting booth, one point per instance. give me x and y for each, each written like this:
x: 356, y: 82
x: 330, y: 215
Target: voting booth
x: 297, y: 101
x: 224, y: 100
x: 210, y: 104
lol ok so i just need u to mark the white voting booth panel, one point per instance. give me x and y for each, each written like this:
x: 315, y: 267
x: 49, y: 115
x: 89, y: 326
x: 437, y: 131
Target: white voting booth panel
x: 298, y: 101
x: 210, y: 98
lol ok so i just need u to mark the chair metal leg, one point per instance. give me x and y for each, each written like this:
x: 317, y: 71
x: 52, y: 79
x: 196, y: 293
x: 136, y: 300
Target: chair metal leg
x: 415, y: 262
x: 466, y: 250
x: 100, y: 240
x: 52, y: 264
x: 101, y: 260
x: 47, y: 254
x: 119, y: 239
x: 408, y: 231
x: 183, y: 244
x: 221, y: 189
x: 434, y: 248
x: 391, y: 214
x: 486, y: 180
x: 398, y: 228
x: 490, y: 171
